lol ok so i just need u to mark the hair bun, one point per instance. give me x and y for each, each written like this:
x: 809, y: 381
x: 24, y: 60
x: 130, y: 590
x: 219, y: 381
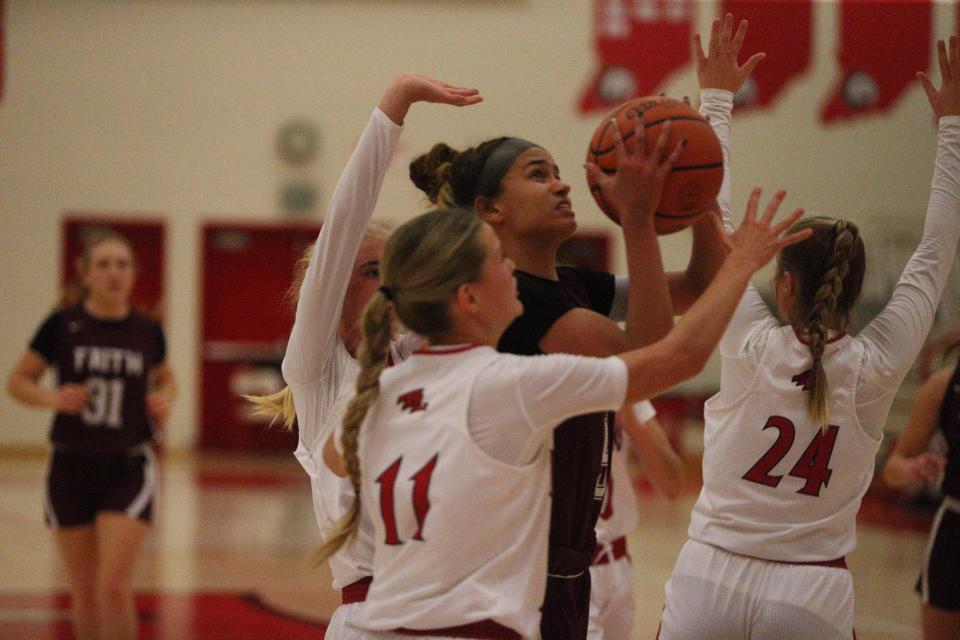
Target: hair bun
x: 430, y: 171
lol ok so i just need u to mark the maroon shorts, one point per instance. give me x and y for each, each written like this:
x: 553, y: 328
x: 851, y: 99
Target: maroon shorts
x: 79, y: 486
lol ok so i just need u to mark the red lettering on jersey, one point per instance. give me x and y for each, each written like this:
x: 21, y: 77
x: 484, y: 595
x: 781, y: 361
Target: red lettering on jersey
x: 421, y: 499
x: 760, y: 471
x: 813, y: 465
x: 412, y: 400
x: 802, y: 380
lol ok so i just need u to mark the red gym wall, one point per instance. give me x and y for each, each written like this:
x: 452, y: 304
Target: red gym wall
x: 245, y: 271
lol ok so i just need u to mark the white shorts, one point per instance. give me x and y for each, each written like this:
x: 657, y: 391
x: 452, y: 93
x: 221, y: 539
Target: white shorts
x: 339, y: 628
x: 717, y: 594
x: 611, y: 601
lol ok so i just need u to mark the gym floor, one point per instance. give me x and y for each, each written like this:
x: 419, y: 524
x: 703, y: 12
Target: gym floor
x: 228, y: 556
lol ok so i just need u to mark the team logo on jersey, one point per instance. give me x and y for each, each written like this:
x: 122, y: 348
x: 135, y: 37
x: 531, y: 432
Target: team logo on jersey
x: 412, y: 400
x: 802, y: 380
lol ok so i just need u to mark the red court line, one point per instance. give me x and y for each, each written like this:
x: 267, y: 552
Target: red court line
x: 163, y: 616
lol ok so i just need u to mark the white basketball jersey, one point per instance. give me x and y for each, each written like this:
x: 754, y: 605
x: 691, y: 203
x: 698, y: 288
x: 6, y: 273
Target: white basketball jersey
x: 323, y: 404
x: 460, y: 537
x: 776, y: 486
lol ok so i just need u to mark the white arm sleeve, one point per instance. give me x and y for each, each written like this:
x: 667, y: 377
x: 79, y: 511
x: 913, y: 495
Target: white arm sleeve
x: 896, y: 335
x: 752, y: 312
x: 715, y: 105
x: 325, y: 284
x: 517, y: 401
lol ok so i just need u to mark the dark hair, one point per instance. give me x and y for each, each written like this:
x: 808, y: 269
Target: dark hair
x: 451, y: 178
x: 828, y: 267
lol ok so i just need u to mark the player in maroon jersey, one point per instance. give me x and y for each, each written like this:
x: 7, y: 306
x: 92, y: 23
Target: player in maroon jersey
x: 515, y: 186
x: 113, y: 386
x: 936, y: 408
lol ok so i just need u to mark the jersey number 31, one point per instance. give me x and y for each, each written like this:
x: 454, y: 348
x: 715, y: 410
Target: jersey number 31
x: 813, y: 465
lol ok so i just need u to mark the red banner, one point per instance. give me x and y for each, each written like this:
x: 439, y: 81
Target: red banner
x: 882, y: 46
x: 783, y: 29
x: 639, y: 44
x: 3, y: 57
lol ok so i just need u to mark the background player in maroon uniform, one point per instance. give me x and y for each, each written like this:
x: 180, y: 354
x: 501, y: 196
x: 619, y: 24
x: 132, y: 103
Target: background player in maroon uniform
x: 113, y: 384
x: 515, y: 186
x: 937, y: 406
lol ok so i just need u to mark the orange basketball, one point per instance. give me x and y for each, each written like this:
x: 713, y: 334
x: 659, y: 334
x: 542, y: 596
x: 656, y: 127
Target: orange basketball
x: 694, y: 180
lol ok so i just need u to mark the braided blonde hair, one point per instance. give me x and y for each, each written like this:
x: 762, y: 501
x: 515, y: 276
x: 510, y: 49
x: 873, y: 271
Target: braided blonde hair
x: 424, y: 264
x: 829, y: 267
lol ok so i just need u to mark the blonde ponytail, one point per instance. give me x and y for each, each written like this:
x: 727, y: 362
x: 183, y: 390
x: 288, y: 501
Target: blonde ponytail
x: 276, y: 406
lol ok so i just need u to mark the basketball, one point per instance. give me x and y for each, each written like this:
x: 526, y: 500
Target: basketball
x: 693, y: 182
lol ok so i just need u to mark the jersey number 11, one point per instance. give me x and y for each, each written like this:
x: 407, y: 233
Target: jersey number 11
x: 421, y: 500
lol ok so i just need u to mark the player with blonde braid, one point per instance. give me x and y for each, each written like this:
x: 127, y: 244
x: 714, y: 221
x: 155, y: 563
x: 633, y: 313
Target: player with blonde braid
x: 833, y: 284
x: 334, y: 280
x: 787, y: 456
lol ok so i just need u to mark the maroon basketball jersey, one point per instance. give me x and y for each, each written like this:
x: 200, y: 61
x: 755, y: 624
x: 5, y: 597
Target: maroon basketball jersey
x: 581, y: 445
x: 950, y: 424
x: 113, y: 358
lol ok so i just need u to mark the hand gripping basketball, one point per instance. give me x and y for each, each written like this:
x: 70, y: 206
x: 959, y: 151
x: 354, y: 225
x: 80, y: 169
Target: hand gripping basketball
x: 694, y: 179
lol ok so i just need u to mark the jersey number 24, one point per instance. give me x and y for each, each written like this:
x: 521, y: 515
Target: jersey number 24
x: 813, y: 465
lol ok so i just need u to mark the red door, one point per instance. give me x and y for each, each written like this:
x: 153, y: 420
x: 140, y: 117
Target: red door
x: 245, y: 322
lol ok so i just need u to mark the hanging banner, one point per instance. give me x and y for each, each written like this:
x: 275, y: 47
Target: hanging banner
x: 3, y: 52
x: 882, y: 45
x: 639, y: 44
x: 783, y: 29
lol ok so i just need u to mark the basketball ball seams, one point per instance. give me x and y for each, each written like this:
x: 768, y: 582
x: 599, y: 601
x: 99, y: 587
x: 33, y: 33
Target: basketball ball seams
x: 689, y: 167
x: 694, y: 167
x: 681, y: 216
x: 605, y: 150
x: 690, y: 188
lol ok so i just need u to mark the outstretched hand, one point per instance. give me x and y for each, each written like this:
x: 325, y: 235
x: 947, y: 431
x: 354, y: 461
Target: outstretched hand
x: 718, y: 69
x: 634, y: 189
x: 927, y: 467
x: 408, y: 88
x: 945, y: 101
x: 755, y: 241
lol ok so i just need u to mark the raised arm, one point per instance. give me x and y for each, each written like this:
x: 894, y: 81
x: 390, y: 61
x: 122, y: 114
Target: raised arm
x: 633, y: 191
x: 325, y: 283
x: 720, y: 77
x: 683, y: 353
x: 899, y: 331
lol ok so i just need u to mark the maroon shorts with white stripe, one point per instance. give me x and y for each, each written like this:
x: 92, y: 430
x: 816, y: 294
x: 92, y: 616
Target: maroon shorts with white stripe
x: 939, y: 583
x: 81, y: 485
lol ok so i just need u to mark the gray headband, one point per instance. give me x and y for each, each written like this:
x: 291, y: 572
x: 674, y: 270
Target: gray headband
x: 498, y: 163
